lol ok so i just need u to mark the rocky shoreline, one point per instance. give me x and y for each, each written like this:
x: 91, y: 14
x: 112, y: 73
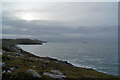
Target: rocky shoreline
x: 18, y: 64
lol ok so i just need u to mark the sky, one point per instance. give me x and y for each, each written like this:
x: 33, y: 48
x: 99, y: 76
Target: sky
x: 60, y: 21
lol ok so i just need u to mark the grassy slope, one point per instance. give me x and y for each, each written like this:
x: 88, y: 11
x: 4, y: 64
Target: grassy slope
x: 22, y: 64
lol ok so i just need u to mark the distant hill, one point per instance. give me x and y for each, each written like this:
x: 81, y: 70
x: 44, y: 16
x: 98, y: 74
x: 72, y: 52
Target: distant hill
x: 22, y: 41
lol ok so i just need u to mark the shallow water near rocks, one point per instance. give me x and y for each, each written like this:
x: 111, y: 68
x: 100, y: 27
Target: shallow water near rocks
x: 102, y: 56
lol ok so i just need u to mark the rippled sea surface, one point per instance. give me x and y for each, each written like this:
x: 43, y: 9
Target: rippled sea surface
x: 102, y: 56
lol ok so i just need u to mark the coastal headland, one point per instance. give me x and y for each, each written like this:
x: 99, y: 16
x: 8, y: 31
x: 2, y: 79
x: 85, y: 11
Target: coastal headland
x: 18, y: 64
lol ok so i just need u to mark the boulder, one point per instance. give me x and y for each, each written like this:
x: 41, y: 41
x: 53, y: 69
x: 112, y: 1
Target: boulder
x: 34, y: 73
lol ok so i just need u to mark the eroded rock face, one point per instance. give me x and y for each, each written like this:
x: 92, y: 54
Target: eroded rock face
x: 34, y: 73
x: 54, y: 74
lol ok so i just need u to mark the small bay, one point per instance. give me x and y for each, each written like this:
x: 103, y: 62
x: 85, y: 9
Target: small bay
x: 101, y: 56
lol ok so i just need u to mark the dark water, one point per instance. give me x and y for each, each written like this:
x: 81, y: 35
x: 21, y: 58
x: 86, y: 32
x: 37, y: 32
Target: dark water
x: 102, y: 56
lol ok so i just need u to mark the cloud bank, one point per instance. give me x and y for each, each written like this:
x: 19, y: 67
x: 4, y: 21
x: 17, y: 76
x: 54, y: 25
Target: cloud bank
x: 61, y: 21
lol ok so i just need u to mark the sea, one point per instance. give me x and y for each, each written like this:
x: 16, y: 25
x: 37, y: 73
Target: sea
x: 101, y: 56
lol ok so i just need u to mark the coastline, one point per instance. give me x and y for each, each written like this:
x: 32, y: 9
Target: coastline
x: 18, y: 63
x: 68, y: 62
x: 86, y: 67
x: 48, y: 49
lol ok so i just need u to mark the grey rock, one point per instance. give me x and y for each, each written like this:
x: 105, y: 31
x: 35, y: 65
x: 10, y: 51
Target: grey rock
x: 54, y: 74
x: 17, y: 54
x: 33, y: 72
x: 42, y: 60
x: 9, y: 71
x: 12, y: 68
x: 34, y: 66
x: 3, y: 71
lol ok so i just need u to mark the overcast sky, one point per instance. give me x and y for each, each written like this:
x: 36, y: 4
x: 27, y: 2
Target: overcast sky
x: 61, y: 21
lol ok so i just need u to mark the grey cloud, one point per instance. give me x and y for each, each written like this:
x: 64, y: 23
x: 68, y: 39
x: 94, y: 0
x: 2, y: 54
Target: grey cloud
x: 66, y: 21
x: 52, y: 32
